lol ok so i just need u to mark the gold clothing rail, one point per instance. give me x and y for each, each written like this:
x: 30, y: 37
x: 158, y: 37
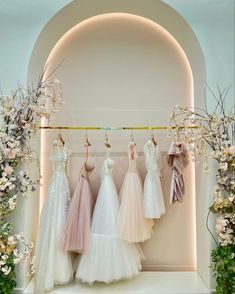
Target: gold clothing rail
x: 108, y: 128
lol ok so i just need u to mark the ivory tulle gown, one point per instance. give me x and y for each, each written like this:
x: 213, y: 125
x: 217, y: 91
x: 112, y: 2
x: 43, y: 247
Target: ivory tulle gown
x: 153, y: 197
x: 53, y: 265
x: 133, y: 226
x: 78, y: 225
x: 108, y: 258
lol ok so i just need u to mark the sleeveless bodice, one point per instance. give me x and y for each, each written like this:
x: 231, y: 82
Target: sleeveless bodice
x: 59, y: 156
x: 152, y: 157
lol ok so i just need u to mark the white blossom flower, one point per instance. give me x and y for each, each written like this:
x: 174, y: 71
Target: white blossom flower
x: 18, y: 236
x: 6, y: 270
x: 22, y: 173
x: 206, y: 168
x: 223, y: 166
x: 12, y: 187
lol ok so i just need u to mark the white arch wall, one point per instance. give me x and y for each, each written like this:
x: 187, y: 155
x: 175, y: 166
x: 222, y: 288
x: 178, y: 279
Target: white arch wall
x: 158, y: 12
x: 171, y: 21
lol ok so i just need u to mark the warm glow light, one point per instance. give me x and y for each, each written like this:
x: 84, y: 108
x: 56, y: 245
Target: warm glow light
x: 135, y: 18
x: 173, y: 42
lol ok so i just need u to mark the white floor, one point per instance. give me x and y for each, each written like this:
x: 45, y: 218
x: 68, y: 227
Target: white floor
x: 145, y: 283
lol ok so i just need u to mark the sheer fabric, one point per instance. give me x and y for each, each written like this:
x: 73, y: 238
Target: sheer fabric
x: 53, y: 265
x: 78, y: 225
x: 108, y: 258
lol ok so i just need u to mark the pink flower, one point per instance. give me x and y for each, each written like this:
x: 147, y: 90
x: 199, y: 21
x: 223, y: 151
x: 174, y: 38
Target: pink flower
x: 9, y: 169
x: 219, y: 228
x: 11, y: 154
x: 231, y: 149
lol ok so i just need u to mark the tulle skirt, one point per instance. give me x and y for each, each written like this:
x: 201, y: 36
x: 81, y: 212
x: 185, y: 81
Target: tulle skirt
x: 53, y: 265
x: 153, y: 197
x: 108, y: 258
x: 78, y: 225
x: 133, y: 226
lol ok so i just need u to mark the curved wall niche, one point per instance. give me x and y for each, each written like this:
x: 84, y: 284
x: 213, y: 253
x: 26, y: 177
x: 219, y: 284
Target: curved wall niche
x: 129, y: 63
x: 124, y: 70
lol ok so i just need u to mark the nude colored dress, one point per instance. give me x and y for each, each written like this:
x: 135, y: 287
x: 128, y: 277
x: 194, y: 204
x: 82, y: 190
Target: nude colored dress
x: 133, y: 226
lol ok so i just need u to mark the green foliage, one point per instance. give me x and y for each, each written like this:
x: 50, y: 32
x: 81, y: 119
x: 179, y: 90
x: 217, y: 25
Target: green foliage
x: 223, y: 266
x: 8, y: 282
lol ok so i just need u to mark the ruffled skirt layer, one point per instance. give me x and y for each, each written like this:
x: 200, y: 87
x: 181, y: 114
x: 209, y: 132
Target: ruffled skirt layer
x: 108, y: 259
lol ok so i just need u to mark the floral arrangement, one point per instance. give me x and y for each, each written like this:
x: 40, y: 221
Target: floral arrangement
x: 20, y: 115
x: 199, y: 129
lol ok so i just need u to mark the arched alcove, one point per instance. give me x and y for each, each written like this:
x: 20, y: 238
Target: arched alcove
x: 124, y: 70
x: 81, y: 31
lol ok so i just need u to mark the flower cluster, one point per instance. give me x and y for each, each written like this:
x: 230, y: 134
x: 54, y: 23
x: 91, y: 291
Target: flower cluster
x: 225, y: 228
x: 20, y: 115
x: 8, y: 249
x: 199, y: 129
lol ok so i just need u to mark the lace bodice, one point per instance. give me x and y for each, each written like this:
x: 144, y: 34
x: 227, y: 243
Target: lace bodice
x: 132, y: 155
x: 59, y: 156
x: 152, y: 157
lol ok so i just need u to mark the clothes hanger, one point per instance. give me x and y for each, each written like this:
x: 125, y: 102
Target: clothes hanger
x: 132, y: 137
x: 86, y: 141
x: 106, y: 143
x: 60, y: 138
x: 87, y: 144
x: 106, y: 140
x: 132, y: 145
x: 153, y: 138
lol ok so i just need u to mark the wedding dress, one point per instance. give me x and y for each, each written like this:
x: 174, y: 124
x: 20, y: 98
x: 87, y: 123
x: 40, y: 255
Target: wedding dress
x: 153, y: 197
x: 133, y: 226
x: 108, y: 258
x: 78, y: 225
x: 53, y: 265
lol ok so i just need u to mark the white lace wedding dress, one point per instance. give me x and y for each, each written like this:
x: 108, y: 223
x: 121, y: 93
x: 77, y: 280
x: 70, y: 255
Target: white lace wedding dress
x: 153, y: 197
x: 109, y: 258
x: 53, y: 265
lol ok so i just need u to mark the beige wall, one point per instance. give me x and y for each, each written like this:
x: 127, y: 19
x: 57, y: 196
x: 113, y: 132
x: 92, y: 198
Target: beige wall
x: 122, y: 70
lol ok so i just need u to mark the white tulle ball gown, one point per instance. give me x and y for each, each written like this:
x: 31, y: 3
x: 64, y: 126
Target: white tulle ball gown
x: 53, y: 265
x: 108, y: 258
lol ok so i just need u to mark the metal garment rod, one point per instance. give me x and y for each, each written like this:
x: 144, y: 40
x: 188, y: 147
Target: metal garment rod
x: 107, y: 128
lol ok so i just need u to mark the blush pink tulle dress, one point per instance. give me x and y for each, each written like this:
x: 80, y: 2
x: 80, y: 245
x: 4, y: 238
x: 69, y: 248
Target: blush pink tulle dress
x: 78, y: 225
x: 133, y: 226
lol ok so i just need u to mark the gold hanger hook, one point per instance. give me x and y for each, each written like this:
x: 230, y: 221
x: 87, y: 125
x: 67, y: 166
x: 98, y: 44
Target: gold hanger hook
x: 60, y: 137
x: 106, y: 140
x: 87, y: 142
x: 152, y: 136
x: 132, y: 136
